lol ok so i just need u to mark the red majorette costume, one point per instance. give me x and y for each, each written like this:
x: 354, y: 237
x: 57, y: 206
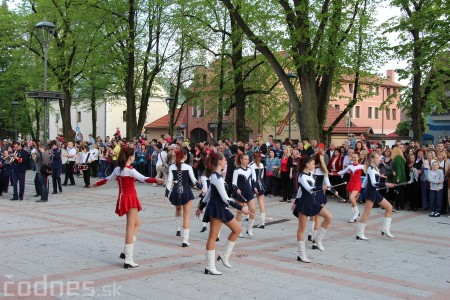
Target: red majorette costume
x: 356, y: 171
x: 127, y: 192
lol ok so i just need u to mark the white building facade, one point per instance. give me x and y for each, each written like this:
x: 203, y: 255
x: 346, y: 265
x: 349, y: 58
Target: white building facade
x: 109, y: 115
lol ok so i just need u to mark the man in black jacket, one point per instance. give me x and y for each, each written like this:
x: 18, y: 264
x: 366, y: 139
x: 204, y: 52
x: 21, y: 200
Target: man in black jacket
x: 230, y: 168
x: 19, y: 167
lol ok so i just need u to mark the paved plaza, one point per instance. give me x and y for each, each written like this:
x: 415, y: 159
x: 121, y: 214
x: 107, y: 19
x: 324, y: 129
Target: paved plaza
x: 70, y: 246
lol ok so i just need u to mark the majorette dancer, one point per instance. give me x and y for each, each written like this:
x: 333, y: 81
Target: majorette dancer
x: 243, y: 192
x: 306, y: 205
x: 372, y: 196
x: 354, y: 184
x: 217, y: 213
x: 322, y: 179
x: 128, y: 203
x: 260, y: 186
x: 178, y: 191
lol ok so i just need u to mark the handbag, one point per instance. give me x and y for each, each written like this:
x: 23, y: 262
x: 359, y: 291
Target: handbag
x: 45, y: 170
x: 269, y: 173
x: 276, y: 173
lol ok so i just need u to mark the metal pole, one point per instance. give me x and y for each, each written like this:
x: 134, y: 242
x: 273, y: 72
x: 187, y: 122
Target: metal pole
x: 45, y: 88
x: 382, y: 114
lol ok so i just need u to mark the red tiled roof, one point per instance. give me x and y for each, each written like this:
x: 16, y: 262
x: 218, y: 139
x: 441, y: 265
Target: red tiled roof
x: 373, y: 80
x: 332, y: 115
x: 163, y: 122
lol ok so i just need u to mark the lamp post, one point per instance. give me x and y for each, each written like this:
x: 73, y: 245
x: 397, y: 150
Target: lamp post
x: 169, y: 102
x: 44, y: 30
x: 382, y: 111
x: 292, y: 77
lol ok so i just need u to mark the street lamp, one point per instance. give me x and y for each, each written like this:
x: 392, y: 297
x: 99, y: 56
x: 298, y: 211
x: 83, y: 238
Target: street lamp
x: 291, y: 77
x: 44, y: 30
x: 170, y: 103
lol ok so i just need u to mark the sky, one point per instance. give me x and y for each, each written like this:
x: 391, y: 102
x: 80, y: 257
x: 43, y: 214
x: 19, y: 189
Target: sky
x: 384, y: 12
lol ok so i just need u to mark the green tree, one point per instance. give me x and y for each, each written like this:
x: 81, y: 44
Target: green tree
x: 316, y: 35
x: 424, y: 37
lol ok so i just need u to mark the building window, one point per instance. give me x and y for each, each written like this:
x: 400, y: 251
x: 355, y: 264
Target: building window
x: 388, y: 92
x: 201, y: 109
x: 204, y: 78
x: 198, y: 110
x: 124, y: 116
x: 377, y: 90
x: 376, y: 112
x: 371, y: 89
x: 350, y: 87
x: 369, y: 113
x: 394, y: 114
x: 354, y: 112
x: 78, y: 116
x: 388, y: 114
x: 337, y: 106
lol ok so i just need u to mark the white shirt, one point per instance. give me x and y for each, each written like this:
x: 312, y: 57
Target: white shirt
x: 162, y: 156
x: 94, y: 154
x: 70, y: 152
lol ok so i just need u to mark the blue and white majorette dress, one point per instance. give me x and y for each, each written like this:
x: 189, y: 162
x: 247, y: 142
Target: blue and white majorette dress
x: 306, y: 202
x: 205, y: 186
x: 242, y: 180
x: 258, y: 178
x: 217, y: 201
x: 321, y: 180
x: 370, y: 185
x: 178, y: 187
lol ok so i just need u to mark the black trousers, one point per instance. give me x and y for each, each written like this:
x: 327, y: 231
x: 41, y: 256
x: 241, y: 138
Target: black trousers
x: 69, y: 172
x: 5, y: 184
x: 286, y: 186
x: 18, y: 177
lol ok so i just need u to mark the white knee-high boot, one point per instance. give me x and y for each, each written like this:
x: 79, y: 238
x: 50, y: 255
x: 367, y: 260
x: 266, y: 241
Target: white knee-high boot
x: 225, y: 255
x: 178, y: 224
x: 129, y: 263
x: 318, y: 239
x: 355, y: 214
x: 210, y: 263
x: 386, y: 229
x: 310, y: 229
x: 360, y: 233
x: 185, y: 238
x: 250, y: 227
x: 302, y: 252
x: 262, y: 224
x: 122, y: 255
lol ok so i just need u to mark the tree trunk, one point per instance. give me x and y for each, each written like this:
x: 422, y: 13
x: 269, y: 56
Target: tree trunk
x: 308, y: 117
x: 129, y: 80
x: 239, y: 92
x: 416, y: 106
x: 65, y: 106
x: 94, y: 113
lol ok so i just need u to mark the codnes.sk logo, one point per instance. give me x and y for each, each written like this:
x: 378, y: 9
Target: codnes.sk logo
x: 53, y: 288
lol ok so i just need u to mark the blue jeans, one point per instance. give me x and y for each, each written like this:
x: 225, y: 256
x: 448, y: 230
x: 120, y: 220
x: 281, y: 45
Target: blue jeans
x: 43, y: 180
x: 424, y: 192
x: 436, y: 200
x: 103, y: 166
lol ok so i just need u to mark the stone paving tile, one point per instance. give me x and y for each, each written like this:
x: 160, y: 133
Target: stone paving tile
x: 69, y: 247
